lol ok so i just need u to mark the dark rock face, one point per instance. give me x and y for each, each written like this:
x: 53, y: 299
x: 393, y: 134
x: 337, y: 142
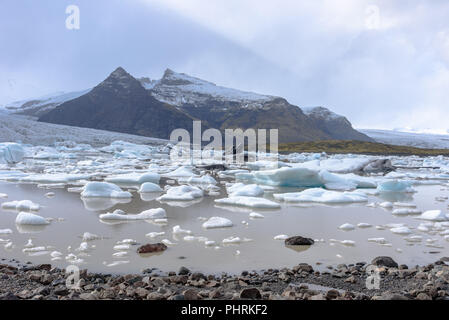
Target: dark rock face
x: 156, y: 107
x: 299, y: 241
x: 120, y: 103
x: 384, y: 262
x: 150, y: 248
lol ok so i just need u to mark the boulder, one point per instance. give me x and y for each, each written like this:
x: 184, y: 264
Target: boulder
x: 150, y: 248
x: 384, y: 262
x: 299, y: 241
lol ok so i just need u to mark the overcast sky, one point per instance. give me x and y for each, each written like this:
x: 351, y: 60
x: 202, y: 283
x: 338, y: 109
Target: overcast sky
x: 381, y: 63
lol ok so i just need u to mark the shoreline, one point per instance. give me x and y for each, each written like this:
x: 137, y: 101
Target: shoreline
x: 343, y: 282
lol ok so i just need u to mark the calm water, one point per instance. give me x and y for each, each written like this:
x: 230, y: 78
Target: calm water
x: 317, y: 222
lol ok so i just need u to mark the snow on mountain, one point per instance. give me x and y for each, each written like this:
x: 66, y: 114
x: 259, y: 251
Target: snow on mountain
x: 321, y: 112
x: 420, y: 140
x: 42, y: 104
x: 179, y: 88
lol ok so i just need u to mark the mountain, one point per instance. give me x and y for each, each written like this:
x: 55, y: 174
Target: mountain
x: 336, y: 126
x: 419, y: 140
x: 230, y: 108
x: 120, y: 103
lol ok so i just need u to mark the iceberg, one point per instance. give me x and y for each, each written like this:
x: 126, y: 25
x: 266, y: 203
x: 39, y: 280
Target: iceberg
x: 134, y: 178
x: 322, y: 196
x: 24, y: 205
x: 150, y: 214
x: 252, y: 202
x: 303, y: 177
x: 28, y: 218
x: 150, y: 187
x: 11, y: 153
x: 182, y: 193
x: 240, y: 189
x: 217, y: 222
x: 433, y: 215
x: 395, y: 186
x: 103, y: 190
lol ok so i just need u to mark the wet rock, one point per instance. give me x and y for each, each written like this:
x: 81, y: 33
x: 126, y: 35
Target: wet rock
x: 423, y: 296
x: 150, y: 248
x: 250, y: 293
x: 303, y: 267
x: 190, y: 294
x: 183, y: 271
x: 384, y: 262
x: 332, y: 294
x: 299, y: 241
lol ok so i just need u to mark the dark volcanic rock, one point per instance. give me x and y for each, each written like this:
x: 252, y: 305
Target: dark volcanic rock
x: 299, y: 241
x: 384, y: 262
x: 150, y: 248
x: 250, y: 293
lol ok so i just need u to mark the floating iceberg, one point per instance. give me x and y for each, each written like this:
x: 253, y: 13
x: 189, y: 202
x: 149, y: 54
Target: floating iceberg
x: 150, y: 187
x: 205, y: 180
x: 150, y: 214
x: 28, y: 218
x: 11, y: 153
x: 322, y: 196
x: 252, y: 202
x: 217, y: 222
x: 182, y: 193
x: 103, y: 190
x: 181, y: 172
x: 240, y: 189
x: 346, y: 227
x: 395, y: 186
x: 5, y: 231
x: 134, y: 178
x: 303, y: 177
x: 433, y: 215
x: 23, y: 205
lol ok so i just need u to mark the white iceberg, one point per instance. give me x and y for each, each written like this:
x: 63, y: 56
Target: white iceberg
x: 346, y: 227
x: 150, y: 187
x: 322, y: 196
x: 182, y: 193
x: 395, y: 186
x: 217, y: 222
x: 433, y: 215
x: 103, y: 190
x: 134, y: 178
x: 252, y: 202
x: 23, y: 205
x: 240, y: 189
x: 28, y: 218
x: 150, y: 214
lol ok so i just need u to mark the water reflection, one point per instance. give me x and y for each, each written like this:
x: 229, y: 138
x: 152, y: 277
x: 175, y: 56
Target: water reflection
x: 100, y: 204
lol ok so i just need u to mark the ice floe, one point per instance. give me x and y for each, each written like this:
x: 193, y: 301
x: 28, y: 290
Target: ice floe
x: 322, y: 196
x: 252, y: 202
x: 240, y: 189
x: 182, y: 193
x: 150, y: 187
x: 11, y: 152
x: 27, y: 218
x: 395, y: 186
x: 103, y: 190
x: 433, y: 215
x: 150, y: 214
x: 23, y: 205
x: 134, y: 178
x: 217, y: 222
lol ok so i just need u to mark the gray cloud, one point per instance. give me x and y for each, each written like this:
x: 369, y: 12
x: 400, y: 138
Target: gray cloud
x: 389, y: 72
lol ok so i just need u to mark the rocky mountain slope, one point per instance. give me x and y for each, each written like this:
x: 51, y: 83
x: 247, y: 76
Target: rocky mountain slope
x: 155, y: 107
x: 120, y: 103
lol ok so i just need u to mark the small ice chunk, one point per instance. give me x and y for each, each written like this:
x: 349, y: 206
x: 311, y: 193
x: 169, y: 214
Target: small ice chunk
x: 27, y: 218
x: 87, y: 236
x: 255, y: 215
x: 401, y: 230
x: 23, y: 205
x: 248, y: 190
x: 405, y: 212
x: 363, y: 225
x: 433, y: 215
x: 386, y: 205
x: 150, y: 187
x: 150, y: 214
x: 122, y: 247
x: 252, y: 202
x: 322, y: 196
x: 155, y: 234
x: 281, y: 237
x: 96, y: 189
x: 232, y: 240
x: 178, y: 230
x: 5, y: 231
x: 395, y: 186
x: 182, y: 193
x: 346, y: 227
x: 217, y: 222
x: 168, y: 242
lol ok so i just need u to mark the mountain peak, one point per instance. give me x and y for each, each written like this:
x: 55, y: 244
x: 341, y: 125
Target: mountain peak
x: 119, y: 78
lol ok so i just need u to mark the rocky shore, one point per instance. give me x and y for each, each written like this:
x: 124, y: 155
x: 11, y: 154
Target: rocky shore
x: 302, y: 282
